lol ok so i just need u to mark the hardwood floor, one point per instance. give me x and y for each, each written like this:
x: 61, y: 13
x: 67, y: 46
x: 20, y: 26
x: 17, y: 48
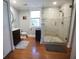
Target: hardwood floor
x: 36, y: 51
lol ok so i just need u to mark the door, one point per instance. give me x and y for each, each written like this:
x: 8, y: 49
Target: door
x: 6, y: 31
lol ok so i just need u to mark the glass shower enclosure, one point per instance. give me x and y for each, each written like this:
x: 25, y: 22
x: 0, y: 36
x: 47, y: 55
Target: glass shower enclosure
x: 56, y: 23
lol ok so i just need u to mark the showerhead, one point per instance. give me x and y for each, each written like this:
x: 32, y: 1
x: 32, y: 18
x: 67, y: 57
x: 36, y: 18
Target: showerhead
x: 60, y: 10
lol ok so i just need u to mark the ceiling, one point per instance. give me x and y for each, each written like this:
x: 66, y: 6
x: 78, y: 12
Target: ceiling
x: 30, y: 4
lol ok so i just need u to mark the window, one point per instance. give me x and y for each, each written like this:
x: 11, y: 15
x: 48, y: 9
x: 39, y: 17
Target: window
x: 35, y: 19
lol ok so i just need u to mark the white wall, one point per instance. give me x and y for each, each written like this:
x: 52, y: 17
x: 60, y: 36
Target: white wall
x: 16, y: 17
x: 7, y: 45
x: 24, y: 24
x: 53, y: 18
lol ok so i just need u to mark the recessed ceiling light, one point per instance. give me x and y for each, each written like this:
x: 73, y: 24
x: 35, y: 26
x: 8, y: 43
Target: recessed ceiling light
x: 14, y: 1
x: 54, y: 3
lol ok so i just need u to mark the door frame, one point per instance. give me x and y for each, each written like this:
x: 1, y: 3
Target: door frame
x: 72, y: 24
x: 9, y: 23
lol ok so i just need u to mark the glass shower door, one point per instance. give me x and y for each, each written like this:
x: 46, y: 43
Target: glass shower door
x: 56, y: 24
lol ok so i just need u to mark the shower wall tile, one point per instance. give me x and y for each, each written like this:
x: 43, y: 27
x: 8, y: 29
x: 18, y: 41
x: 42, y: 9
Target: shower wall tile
x: 53, y: 21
